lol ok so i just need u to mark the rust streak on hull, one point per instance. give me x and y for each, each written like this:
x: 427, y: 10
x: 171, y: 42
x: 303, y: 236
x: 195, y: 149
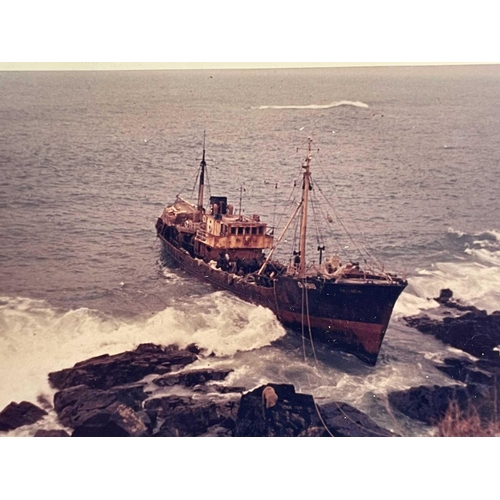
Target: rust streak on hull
x: 360, y: 336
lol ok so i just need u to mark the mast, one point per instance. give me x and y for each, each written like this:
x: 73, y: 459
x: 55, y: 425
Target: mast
x: 306, y: 186
x: 203, y: 164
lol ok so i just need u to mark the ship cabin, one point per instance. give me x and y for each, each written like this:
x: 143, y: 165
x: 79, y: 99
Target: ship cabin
x: 222, y: 234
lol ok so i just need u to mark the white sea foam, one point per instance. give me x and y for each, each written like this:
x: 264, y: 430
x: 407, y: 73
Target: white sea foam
x: 357, y: 104
x: 489, y: 236
x: 471, y: 282
x: 37, y: 339
x: 475, y: 280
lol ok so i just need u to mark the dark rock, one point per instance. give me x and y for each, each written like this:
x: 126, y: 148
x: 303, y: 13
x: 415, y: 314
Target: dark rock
x: 222, y: 389
x: 51, y: 433
x: 465, y: 371
x: 103, y: 372
x: 429, y: 404
x: 291, y: 415
x: 444, y: 296
x: 343, y: 420
x: 475, y: 332
x: 191, y: 420
x: 445, y: 299
x: 218, y: 431
x: 75, y: 403
x: 130, y: 394
x: 101, y: 413
x: 187, y: 416
x: 191, y: 378
x: 297, y: 415
x: 116, y: 420
x: 18, y: 414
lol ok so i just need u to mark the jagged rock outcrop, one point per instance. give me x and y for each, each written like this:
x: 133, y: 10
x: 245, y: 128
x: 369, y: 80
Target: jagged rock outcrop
x: 150, y: 392
x: 429, y: 404
x: 103, y: 372
x: 295, y: 414
x: 191, y: 378
x: 343, y: 420
x: 468, y: 372
x: 192, y: 416
x: 475, y: 332
x: 95, y: 412
x: 16, y: 415
x: 103, y: 404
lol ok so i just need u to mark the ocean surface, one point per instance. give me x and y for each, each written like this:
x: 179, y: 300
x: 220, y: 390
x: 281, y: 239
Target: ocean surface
x: 406, y: 173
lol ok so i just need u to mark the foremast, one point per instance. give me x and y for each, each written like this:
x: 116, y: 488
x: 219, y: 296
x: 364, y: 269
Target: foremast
x: 201, y: 187
x: 306, y: 187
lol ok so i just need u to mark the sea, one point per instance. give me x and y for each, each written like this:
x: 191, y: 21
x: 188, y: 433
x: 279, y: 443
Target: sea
x: 405, y: 168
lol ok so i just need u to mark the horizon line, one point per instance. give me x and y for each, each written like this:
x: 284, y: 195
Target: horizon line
x: 143, y: 66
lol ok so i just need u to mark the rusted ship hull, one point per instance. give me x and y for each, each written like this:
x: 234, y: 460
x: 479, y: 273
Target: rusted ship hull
x: 350, y: 317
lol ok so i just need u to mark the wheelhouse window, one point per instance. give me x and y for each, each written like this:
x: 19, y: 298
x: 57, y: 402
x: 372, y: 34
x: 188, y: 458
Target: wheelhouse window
x: 254, y: 230
x: 233, y: 230
x: 240, y: 230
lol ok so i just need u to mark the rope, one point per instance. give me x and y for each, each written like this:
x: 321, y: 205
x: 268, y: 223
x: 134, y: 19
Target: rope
x: 306, y: 293
x: 367, y: 248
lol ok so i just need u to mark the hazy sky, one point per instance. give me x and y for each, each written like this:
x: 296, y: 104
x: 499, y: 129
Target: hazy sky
x: 364, y: 30
x: 47, y: 66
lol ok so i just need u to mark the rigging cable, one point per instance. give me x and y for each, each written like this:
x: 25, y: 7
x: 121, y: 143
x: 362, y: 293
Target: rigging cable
x: 332, y: 234
x: 287, y: 203
x: 321, y: 375
x: 367, y: 248
x: 360, y: 251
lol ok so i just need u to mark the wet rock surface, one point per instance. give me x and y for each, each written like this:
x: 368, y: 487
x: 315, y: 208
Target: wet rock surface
x: 18, y: 414
x: 476, y: 332
x: 191, y: 378
x: 152, y: 391
x: 51, y: 433
x: 295, y: 414
x: 429, y: 404
x: 103, y: 372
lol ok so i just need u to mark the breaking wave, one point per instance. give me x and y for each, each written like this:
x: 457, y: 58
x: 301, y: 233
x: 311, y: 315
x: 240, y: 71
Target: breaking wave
x: 357, y: 104
x: 474, y: 278
x: 37, y: 339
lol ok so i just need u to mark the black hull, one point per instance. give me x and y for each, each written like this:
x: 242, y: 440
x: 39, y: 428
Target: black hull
x: 348, y: 316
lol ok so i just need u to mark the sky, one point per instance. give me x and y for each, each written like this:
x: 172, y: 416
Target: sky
x: 79, y: 66
x: 220, y: 30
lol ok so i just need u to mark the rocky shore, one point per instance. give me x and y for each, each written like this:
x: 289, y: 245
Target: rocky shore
x: 475, y: 396
x: 151, y: 391
x: 154, y: 391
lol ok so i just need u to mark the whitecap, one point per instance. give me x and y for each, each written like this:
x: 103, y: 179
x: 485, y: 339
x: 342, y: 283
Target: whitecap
x: 38, y: 339
x: 356, y: 104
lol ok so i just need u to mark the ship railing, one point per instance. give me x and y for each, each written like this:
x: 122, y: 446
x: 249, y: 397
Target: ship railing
x: 201, y: 234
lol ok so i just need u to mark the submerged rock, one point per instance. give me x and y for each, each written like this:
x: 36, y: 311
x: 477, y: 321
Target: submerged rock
x: 18, y: 414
